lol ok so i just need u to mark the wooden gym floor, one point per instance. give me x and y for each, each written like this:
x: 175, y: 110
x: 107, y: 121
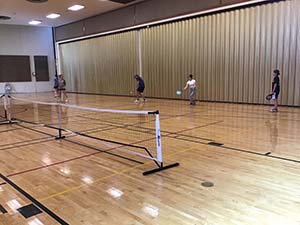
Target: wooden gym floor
x: 254, y: 174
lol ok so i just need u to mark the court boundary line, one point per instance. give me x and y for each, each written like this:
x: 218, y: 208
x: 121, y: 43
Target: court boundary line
x: 33, y: 200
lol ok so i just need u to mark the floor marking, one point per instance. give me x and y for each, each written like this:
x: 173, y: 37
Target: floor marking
x: 122, y: 172
x: 33, y: 200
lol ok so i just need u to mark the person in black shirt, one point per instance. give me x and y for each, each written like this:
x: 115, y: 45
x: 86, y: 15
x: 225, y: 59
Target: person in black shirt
x: 55, y: 85
x: 140, y: 88
x: 275, y: 89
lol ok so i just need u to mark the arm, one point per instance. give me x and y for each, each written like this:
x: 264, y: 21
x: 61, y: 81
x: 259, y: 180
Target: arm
x: 273, y: 91
x: 186, y: 86
x: 276, y: 81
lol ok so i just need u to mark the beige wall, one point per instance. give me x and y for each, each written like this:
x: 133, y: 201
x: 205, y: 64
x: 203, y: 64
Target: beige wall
x: 103, y: 65
x: 232, y: 55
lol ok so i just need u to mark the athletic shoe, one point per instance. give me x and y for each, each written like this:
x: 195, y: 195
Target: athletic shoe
x: 136, y: 101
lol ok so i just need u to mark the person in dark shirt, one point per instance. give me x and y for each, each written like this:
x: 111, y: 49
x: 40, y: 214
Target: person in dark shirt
x: 55, y: 87
x: 275, y: 89
x: 140, y: 88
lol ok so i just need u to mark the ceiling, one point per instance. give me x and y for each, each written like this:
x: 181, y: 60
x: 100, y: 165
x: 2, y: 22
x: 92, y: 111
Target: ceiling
x: 22, y: 11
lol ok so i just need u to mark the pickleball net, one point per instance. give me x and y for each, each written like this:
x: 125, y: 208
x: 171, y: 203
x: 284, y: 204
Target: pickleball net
x: 129, y: 134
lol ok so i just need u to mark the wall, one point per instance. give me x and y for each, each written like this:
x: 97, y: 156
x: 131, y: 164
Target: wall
x: 102, y: 65
x: 232, y: 55
x: 28, y: 40
x: 140, y: 13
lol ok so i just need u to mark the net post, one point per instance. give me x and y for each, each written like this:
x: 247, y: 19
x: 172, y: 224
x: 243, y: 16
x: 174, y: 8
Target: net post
x: 160, y: 163
x: 6, y: 100
x: 60, y: 136
x: 158, y: 138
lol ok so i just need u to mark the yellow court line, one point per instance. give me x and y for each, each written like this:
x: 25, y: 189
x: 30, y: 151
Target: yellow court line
x: 122, y: 172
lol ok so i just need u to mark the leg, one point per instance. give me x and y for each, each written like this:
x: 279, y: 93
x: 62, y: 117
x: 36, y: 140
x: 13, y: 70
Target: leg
x: 194, y: 96
x: 58, y: 95
x: 138, y: 95
x: 275, y: 109
x: 142, y: 96
x: 65, y: 96
x: 276, y: 104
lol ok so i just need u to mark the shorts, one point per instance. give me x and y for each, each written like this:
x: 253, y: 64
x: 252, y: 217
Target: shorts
x: 276, y: 94
x: 140, y: 89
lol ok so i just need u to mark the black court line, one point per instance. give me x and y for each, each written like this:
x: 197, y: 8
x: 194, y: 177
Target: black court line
x: 102, y: 151
x: 41, y: 140
x: 33, y: 200
x: 8, y: 130
x: 27, y: 144
x: 38, y: 131
x: 267, y: 155
x: 23, y: 142
x: 2, y: 209
x: 105, y: 151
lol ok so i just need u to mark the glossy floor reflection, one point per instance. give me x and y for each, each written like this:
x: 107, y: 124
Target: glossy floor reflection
x: 253, y: 176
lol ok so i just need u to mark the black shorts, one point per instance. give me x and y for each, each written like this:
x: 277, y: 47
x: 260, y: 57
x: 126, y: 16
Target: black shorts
x: 140, y: 89
x: 277, y: 94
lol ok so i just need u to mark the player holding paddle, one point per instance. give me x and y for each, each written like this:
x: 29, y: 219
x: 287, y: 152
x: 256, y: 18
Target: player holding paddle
x: 191, y: 84
x: 275, y: 89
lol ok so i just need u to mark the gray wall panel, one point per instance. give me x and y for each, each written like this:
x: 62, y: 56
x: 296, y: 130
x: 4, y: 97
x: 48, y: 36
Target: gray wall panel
x: 157, y: 9
x: 110, y: 21
x: 69, y: 31
x: 229, y: 2
x: 143, y: 12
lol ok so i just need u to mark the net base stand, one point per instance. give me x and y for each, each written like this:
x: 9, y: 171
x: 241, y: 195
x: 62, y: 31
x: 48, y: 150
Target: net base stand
x: 6, y: 122
x: 60, y: 136
x: 160, y: 168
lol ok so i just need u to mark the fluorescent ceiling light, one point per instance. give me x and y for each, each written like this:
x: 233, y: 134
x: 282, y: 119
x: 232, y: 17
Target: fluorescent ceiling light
x: 53, y: 16
x: 34, y: 22
x: 76, y: 7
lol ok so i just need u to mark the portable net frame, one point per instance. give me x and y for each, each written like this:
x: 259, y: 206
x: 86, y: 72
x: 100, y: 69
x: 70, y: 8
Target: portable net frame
x: 114, y: 130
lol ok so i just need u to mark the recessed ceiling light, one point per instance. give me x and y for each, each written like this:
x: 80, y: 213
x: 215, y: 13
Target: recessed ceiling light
x: 5, y: 17
x: 53, y: 16
x: 37, y: 1
x: 76, y: 7
x: 34, y: 22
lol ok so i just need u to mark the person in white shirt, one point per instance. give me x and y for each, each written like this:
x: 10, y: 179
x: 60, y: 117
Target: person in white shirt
x: 191, y: 84
x: 61, y: 87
